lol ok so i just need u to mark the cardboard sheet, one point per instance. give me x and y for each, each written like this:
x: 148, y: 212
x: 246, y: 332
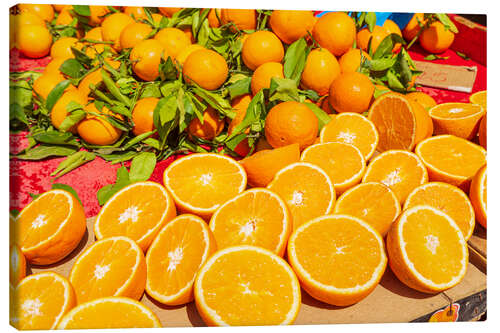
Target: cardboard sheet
x: 457, y: 78
x: 391, y: 301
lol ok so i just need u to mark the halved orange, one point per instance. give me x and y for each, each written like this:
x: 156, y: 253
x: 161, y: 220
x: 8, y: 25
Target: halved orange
x: 17, y: 265
x: 427, y: 251
x: 200, y: 183
x: 110, y: 312
x: 137, y: 211
x: 265, y: 163
x: 479, y: 97
x: 477, y: 194
x: 352, y: 128
x: 256, y: 217
x: 322, y: 252
x: 174, y: 258
x: 306, y: 189
x: 451, y: 159
x: 447, y: 198
x: 113, y: 266
x: 401, y: 170
x: 344, y: 163
x: 459, y: 119
x: 374, y: 203
x: 247, y: 285
x: 40, y: 300
x: 483, y: 132
x: 401, y: 123
x: 50, y: 227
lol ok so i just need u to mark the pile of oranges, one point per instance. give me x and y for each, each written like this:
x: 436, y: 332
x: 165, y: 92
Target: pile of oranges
x: 318, y: 206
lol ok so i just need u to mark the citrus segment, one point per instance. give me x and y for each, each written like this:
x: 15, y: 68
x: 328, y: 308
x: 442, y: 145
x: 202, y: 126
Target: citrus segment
x: 200, y: 183
x: 341, y: 240
x: 50, y: 227
x: 447, y: 198
x: 113, y: 266
x: 175, y: 257
x: 459, y: 119
x: 109, y: 312
x: 374, y: 203
x: 427, y: 250
x: 247, y: 285
x: 137, y: 211
x: 478, y: 194
x: 402, y: 171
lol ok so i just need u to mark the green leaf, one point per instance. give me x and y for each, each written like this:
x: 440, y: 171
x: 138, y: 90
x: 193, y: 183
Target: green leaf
x: 67, y: 188
x: 73, y: 68
x: 142, y: 167
x: 56, y: 138
x: 283, y: 90
x: 82, y: 10
x: 55, y: 94
x: 240, y: 87
x: 106, y: 192
x: 43, y: 151
x: 72, y: 162
x: 135, y: 140
x: 16, y: 112
x: 235, y: 141
x: 152, y: 142
x: 381, y: 64
x: 81, y: 56
x: 295, y: 60
x: 254, y: 117
x: 447, y: 22
x: 385, y: 47
x: 72, y: 119
x: 118, y: 157
x: 462, y: 55
x: 215, y: 100
x: 431, y: 57
x: 167, y: 70
x: 323, y: 117
x: 394, y: 82
x: 151, y: 90
x: 371, y: 20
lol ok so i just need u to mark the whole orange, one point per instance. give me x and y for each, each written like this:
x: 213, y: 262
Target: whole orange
x: 96, y: 130
x: 214, y: 18
x: 206, y: 68
x: 351, y: 92
x: 135, y: 12
x: 242, y: 19
x: 173, y: 40
x: 182, y: 56
x: 261, y: 47
x: 320, y: 70
x: 435, y: 38
x: 336, y: 32
x: 97, y: 14
x: 27, y: 18
x: 412, y: 28
x: 351, y: 60
x: 33, y: 41
x: 45, y: 12
x: 291, y: 122
x: 146, y: 57
x: 262, y: 76
x: 94, y: 34
x: 112, y: 27
x: 54, y: 65
x: 133, y: 34
x: 142, y: 115
x: 377, y: 36
x: 94, y: 78
x: 212, y: 125
x: 65, y: 17
x: 58, y: 8
x: 291, y: 25
x: 62, y: 48
x: 240, y: 106
x: 44, y: 84
x: 168, y: 11
x: 59, y: 112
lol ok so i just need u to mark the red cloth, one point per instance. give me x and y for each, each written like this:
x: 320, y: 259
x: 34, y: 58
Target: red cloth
x: 34, y: 176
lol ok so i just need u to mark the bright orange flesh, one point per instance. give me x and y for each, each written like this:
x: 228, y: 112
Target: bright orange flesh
x: 306, y: 189
x: 114, y: 266
x: 175, y: 257
x: 40, y: 300
x: 427, y: 250
x: 323, y: 250
x: 50, y: 227
x: 460, y: 119
x: 372, y: 202
x: 17, y: 265
x: 200, y: 183
x: 447, y: 198
x: 451, y: 159
x: 138, y: 211
x: 478, y: 195
x: 402, y: 171
x: 344, y: 163
x: 255, y: 217
x: 354, y: 129
x: 247, y: 285
x: 104, y: 313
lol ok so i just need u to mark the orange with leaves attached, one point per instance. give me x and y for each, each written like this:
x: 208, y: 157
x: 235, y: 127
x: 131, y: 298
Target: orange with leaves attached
x: 212, y: 125
x: 146, y: 57
x: 206, y: 68
x: 377, y: 36
x: 142, y: 115
x: 59, y: 112
x: 336, y: 32
x: 262, y: 76
x: 436, y: 38
x: 351, y: 92
x: 352, y: 60
x: 96, y: 129
x: 320, y: 70
x: 261, y: 47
